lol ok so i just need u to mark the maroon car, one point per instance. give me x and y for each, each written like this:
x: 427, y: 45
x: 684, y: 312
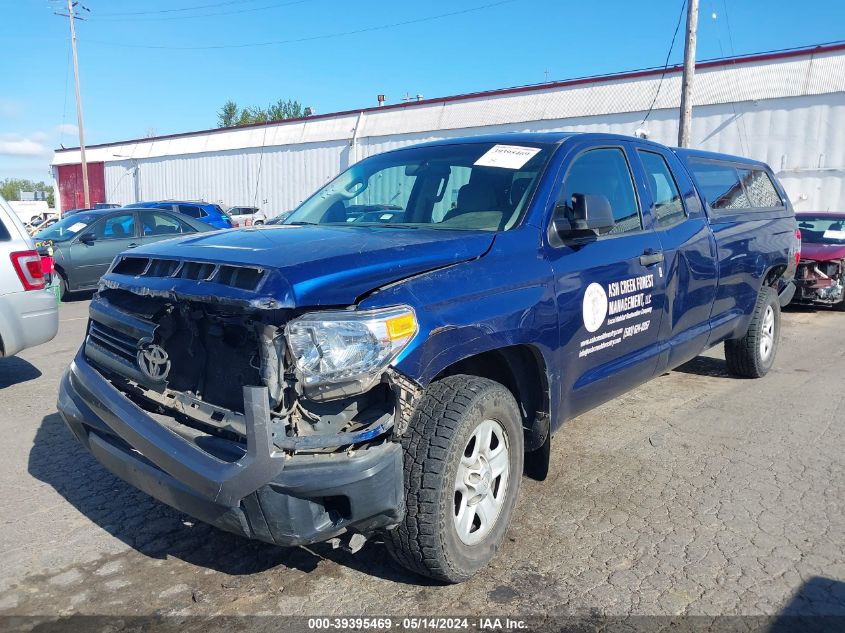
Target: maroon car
x: 820, y: 277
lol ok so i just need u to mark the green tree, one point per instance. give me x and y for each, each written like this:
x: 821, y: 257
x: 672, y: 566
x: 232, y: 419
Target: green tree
x: 227, y: 116
x: 252, y: 114
x: 282, y: 110
x: 230, y: 115
x: 10, y: 188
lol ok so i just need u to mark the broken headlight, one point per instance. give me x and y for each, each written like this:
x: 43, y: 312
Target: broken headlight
x: 344, y: 352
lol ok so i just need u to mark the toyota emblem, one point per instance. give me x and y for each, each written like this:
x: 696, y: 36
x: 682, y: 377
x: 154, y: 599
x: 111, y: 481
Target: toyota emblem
x: 153, y: 362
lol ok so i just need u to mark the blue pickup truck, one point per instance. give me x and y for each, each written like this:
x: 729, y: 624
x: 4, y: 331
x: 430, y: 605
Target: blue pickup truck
x: 333, y: 378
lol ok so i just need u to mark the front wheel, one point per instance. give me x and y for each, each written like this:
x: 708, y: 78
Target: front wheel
x: 463, y: 462
x: 753, y: 355
x: 64, y: 293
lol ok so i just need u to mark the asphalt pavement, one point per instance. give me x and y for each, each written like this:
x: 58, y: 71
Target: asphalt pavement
x: 696, y: 494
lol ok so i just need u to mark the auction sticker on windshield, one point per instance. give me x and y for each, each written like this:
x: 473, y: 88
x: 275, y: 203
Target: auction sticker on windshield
x: 507, y: 156
x: 74, y: 228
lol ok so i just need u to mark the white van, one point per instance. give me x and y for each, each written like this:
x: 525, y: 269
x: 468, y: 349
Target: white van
x: 29, y: 315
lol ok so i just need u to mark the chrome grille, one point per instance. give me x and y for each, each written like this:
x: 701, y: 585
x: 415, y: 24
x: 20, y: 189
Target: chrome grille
x: 113, y: 341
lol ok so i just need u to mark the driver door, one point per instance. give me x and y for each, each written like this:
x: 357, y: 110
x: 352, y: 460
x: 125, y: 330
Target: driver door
x: 610, y: 289
x: 112, y: 235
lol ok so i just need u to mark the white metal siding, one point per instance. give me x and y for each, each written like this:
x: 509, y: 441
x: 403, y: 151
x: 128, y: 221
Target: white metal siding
x: 786, y: 112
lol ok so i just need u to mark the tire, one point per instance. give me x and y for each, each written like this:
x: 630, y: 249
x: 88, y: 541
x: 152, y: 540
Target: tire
x: 840, y: 307
x: 64, y: 293
x: 753, y: 355
x: 446, y: 533
x: 258, y: 223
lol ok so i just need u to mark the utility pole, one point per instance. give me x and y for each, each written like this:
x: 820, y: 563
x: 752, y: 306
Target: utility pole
x: 689, y: 74
x: 70, y: 5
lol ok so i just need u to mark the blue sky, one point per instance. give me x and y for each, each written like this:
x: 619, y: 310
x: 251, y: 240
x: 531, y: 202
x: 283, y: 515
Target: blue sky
x: 169, y: 69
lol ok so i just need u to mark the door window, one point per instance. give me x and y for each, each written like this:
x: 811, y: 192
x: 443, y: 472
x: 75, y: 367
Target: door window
x: 668, y: 206
x: 162, y: 224
x: 192, y: 210
x: 116, y: 227
x: 605, y: 172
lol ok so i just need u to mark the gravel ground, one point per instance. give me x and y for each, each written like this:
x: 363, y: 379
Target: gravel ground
x: 696, y: 494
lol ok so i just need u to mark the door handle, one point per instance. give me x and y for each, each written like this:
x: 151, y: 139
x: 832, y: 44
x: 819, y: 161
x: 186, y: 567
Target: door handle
x: 134, y: 245
x: 650, y: 257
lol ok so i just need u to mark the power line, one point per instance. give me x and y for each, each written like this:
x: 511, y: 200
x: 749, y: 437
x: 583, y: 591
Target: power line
x: 313, y: 37
x: 740, y: 121
x: 275, y: 5
x: 194, y: 8
x: 666, y: 63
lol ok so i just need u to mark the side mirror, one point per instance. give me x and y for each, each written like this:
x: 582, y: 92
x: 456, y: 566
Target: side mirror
x: 87, y: 238
x: 588, y: 216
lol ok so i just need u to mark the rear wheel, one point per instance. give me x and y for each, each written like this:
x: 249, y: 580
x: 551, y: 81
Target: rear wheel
x: 753, y: 355
x: 463, y: 461
x: 840, y: 307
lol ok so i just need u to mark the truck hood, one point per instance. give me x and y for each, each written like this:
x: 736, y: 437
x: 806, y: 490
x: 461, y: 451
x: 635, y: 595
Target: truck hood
x: 822, y: 252
x: 307, y: 265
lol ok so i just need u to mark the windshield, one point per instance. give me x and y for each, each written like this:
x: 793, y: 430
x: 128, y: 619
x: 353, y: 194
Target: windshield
x: 68, y: 227
x: 469, y: 186
x: 822, y: 230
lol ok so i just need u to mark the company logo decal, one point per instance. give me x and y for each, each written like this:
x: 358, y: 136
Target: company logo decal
x: 616, y: 312
x: 595, y: 307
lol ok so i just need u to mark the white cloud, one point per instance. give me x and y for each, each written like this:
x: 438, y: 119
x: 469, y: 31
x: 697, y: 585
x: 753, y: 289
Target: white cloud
x: 16, y: 146
x: 40, y: 137
x: 67, y: 128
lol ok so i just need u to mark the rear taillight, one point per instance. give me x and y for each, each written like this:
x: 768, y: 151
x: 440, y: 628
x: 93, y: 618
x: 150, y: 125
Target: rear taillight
x: 48, y: 265
x: 27, y: 265
x: 798, y: 248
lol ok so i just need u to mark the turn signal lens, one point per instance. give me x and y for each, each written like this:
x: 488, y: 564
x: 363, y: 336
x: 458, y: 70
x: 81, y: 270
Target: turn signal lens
x: 401, y: 326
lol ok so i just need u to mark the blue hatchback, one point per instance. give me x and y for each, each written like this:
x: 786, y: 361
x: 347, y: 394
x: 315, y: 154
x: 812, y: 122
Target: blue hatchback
x: 203, y: 211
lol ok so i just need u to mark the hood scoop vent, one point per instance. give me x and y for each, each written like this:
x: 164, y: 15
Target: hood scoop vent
x: 241, y: 277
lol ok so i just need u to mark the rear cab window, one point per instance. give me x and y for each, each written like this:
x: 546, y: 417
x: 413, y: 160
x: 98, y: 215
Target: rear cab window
x: 730, y: 188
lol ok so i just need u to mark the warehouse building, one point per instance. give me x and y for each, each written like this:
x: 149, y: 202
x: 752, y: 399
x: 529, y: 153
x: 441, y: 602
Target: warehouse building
x: 786, y: 108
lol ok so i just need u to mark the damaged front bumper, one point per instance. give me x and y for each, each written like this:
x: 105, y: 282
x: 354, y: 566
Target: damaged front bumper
x: 252, y: 489
x: 820, y: 282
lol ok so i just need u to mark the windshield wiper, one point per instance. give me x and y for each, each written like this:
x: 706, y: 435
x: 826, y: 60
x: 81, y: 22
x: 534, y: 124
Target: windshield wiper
x: 390, y: 225
x: 300, y: 223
